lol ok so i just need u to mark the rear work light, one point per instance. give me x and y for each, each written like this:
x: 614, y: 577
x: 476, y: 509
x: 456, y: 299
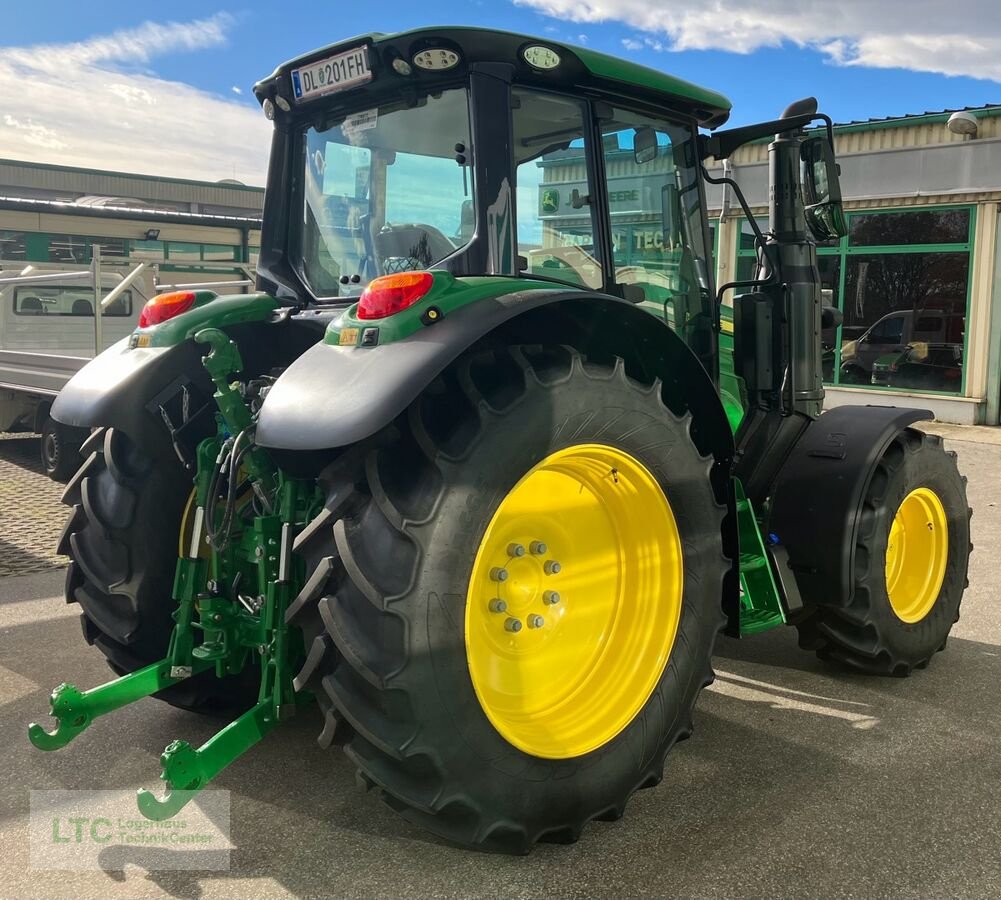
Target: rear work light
x: 165, y: 306
x: 390, y: 294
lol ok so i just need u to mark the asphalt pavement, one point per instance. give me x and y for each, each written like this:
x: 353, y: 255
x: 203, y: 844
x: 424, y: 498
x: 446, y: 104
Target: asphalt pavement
x: 800, y: 780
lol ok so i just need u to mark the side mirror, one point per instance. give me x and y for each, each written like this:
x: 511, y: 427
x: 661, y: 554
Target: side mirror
x: 670, y: 214
x: 822, y: 189
x: 644, y: 145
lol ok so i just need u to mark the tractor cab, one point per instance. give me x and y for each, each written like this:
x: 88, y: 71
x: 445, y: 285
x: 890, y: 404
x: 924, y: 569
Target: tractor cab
x: 486, y: 153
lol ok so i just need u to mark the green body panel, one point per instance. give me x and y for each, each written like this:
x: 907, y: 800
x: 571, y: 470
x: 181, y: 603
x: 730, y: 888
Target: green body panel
x: 447, y: 294
x: 731, y: 385
x: 629, y: 73
x: 760, y: 604
x: 211, y: 310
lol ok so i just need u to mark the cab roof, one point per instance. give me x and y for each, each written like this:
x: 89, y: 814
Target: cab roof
x: 579, y: 67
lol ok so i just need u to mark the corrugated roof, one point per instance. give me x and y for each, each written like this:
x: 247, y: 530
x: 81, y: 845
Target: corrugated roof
x: 987, y: 108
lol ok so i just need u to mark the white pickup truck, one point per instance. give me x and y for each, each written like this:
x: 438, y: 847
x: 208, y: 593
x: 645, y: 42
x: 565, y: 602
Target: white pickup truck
x: 47, y: 332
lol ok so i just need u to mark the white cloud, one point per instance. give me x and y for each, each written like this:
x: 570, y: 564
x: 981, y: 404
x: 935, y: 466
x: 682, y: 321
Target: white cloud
x: 236, y: 90
x: 33, y: 133
x: 632, y: 44
x: 86, y: 104
x: 958, y: 38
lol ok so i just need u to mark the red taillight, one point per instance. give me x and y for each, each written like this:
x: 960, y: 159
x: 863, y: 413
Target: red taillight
x: 390, y: 294
x: 165, y: 306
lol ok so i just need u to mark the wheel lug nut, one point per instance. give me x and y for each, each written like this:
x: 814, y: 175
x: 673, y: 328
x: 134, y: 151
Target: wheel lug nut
x: 537, y: 548
x: 498, y: 574
x: 551, y: 598
x: 513, y: 625
x: 515, y: 550
x: 498, y: 606
x: 552, y: 567
x: 536, y: 621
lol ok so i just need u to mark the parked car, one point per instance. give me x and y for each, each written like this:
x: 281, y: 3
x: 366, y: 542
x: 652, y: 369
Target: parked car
x: 893, y: 334
x: 922, y: 367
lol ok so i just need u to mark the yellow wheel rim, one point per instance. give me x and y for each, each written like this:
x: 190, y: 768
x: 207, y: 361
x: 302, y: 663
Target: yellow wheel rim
x: 917, y: 551
x: 574, y: 601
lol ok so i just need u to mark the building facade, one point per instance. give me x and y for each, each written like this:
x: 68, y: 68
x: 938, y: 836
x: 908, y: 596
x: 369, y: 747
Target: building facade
x: 57, y: 214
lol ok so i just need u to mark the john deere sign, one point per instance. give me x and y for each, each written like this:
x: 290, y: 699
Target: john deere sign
x: 625, y: 195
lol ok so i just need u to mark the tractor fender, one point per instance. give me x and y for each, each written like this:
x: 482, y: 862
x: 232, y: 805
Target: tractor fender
x: 139, y: 390
x: 116, y: 389
x: 332, y: 396
x: 817, y: 500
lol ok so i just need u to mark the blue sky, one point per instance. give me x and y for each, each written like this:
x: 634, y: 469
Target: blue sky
x: 128, y: 89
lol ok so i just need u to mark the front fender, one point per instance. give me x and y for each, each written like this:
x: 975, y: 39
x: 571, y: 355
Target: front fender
x: 817, y: 499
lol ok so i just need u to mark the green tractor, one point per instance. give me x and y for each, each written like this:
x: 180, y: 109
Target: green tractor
x: 486, y: 466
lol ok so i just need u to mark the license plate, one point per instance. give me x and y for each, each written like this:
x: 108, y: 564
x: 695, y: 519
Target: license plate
x: 335, y: 73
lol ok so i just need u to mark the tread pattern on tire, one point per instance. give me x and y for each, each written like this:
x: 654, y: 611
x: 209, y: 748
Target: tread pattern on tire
x: 854, y: 636
x: 356, y: 664
x: 121, y: 537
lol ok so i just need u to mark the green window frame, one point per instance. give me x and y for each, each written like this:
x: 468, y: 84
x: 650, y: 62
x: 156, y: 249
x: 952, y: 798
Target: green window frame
x: 844, y: 251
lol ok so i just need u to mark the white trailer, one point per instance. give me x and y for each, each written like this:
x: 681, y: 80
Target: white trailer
x: 48, y: 330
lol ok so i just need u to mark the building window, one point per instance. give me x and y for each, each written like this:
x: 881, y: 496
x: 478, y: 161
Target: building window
x: 934, y: 226
x: 220, y: 253
x: 901, y: 279
x: 12, y: 246
x: 77, y: 249
x: 178, y: 251
x: 904, y: 315
x: 147, y: 251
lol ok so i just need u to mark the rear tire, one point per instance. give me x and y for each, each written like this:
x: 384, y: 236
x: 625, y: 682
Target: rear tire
x: 874, y: 634
x: 384, y: 613
x: 60, y: 449
x: 121, y: 538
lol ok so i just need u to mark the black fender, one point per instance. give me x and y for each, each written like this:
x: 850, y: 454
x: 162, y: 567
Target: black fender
x: 121, y: 387
x: 335, y: 396
x: 815, y: 506
x: 138, y: 390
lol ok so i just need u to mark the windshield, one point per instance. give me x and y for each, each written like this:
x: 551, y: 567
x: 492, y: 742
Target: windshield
x: 386, y: 190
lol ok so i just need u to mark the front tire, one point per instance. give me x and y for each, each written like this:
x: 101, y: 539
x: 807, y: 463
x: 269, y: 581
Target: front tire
x: 403, y: 563
x: 911, y: 559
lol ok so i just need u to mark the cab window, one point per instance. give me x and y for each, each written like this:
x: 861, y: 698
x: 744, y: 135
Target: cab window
x: 553, y: 196
x: 656, y: 220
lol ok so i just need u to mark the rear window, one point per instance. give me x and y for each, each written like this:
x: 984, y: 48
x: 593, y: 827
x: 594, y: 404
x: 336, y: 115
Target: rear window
x: 929, y: 323
x: 60, y: 300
